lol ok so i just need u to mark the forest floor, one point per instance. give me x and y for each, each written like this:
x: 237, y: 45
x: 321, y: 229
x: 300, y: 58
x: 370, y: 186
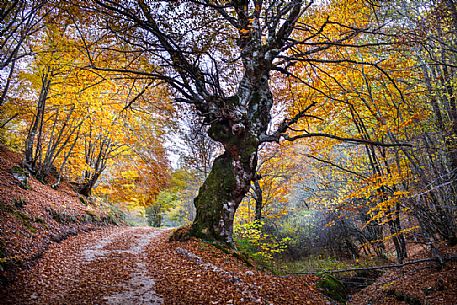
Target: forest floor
x: 137, y: 265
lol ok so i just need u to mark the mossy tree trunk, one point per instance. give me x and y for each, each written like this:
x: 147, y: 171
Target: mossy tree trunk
x: 221, y: 193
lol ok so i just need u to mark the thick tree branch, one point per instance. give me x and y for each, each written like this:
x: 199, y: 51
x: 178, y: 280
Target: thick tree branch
x: 343, y: 139
x: 278, y: 136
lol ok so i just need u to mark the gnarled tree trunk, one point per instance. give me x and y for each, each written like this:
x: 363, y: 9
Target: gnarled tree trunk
x: 245, y: 120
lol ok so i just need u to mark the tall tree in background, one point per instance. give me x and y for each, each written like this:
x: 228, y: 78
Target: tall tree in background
x: 405, y: 95
x: 57, y: 118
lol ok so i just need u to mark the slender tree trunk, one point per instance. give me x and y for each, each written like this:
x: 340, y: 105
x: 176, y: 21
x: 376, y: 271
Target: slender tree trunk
x: 258, y: 200
x: 29, y: 158
x: 65, y: 159
x: 3, y: 124
x: 7, y: 83
x: 400, y: 248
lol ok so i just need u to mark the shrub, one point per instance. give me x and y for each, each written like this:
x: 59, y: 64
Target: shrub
x: 252, y: 240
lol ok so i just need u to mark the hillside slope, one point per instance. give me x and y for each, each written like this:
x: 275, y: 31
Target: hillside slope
x: 32, y: 217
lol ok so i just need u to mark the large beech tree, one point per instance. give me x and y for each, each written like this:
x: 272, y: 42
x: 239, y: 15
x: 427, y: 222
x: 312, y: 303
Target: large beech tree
x: 219, y: 57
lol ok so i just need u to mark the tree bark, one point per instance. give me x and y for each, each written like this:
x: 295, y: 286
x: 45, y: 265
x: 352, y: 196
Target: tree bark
x: 29, y: 157
x: 240, y: 123
x: 258, y: 200
x: 86, y: 188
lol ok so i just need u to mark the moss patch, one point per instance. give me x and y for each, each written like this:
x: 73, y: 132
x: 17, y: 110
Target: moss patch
x: 216, y: 190
x: 21, y: 175
x: 19, y: 203
x: 61, y: 217
x: 24, y: 218
x: 332, y: 287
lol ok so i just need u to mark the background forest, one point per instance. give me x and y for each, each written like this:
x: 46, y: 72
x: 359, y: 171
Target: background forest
x: 368, y: 169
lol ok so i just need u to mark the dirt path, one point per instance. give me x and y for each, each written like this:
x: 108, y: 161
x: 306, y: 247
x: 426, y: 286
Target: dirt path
x: 139, y: 266
x: 139, y: 289
x: 103, y: 267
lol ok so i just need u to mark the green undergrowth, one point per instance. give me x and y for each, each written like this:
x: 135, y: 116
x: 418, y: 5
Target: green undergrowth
x: 329, y: 284
x: 309, y: 264
x: 115, y: 215
x: 252, y: 241
x: 242, y: 256
x: 62, y: 216
x: 319, y: 264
